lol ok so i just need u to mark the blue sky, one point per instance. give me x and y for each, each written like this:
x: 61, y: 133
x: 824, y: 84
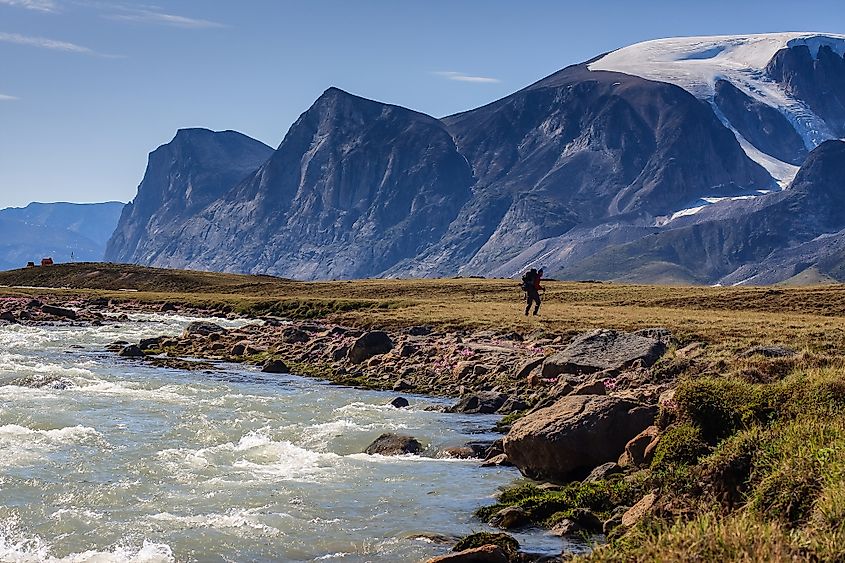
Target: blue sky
x: 89, y: 87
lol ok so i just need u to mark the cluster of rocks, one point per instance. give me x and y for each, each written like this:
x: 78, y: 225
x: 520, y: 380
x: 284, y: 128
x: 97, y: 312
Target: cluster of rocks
x: 485, y: 369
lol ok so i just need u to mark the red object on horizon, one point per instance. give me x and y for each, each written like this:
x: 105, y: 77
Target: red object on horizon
x: 46, y: 261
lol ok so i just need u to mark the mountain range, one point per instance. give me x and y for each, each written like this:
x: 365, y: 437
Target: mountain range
x: 62, y: 231
x: 697, y: 160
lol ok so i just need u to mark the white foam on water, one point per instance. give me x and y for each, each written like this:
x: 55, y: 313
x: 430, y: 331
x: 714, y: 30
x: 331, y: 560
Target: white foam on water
x: 230, y: 520
x: 17, y: 547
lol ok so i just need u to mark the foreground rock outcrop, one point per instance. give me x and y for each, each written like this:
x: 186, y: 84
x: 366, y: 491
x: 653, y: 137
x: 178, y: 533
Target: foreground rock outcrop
x: 576, y: 434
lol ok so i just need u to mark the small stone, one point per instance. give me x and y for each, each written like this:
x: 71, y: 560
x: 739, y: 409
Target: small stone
x: 500, y: 460
x: 510, y: 518
x: 275, y: 366
x: 638, y: 511
x: 603, y: 471
x: 403, y: 385
x: 131, y: 351
x: 590, y: 388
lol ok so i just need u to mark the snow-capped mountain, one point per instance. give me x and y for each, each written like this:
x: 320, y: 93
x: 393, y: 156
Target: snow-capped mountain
x: 656, y: 138
x: 756, y: 84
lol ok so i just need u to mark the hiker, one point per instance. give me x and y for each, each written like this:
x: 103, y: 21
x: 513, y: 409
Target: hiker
x: 531, y: 286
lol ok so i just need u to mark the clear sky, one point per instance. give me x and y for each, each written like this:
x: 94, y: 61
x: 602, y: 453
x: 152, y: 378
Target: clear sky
x: 89, y: 87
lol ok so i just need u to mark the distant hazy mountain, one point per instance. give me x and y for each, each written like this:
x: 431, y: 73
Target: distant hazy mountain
x: 57, y: 230
x: 601, y: 170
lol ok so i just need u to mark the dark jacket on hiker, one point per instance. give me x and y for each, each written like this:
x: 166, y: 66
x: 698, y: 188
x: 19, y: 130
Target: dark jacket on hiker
x: 531, y: 286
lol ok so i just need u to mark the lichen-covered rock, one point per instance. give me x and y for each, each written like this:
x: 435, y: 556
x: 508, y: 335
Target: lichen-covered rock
x: 567, y: 440
x: 602, y: 350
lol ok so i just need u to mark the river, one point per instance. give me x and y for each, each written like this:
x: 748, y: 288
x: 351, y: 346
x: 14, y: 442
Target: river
x: 137, y: 463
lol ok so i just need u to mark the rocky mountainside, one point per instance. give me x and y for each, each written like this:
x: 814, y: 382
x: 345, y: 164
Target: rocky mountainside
x: 573, y: 172
x: 193, y: 170
x: 57, y: 230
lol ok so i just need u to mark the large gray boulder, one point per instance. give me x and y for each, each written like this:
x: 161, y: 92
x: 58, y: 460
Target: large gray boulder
x: 602, y: 350
x: 370, y: 344
x: 566, y: 440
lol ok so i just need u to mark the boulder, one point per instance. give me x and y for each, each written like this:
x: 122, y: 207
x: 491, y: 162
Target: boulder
x: 408, y: 350
x: 167, y: 308
x: 239, y: 348
x: 275, y: 366
x: 510, y: 518
x: 636, y: 447
x: 602, y: 350
x: 131, y: 351
x: 399, y: 403
x: 202, y: 328
x: 484, y: 554
x: 368, y: 345
x: 58, y: 311
x: 590, y: 388
x: 419, y: 331
x: 394, y: 444
x: 483, y: 402
x: 524, y: 369
x: 462, y: 370
x: 566, y: 440
x: 579, y: 520
x: 294, y: 335
x: 8, y: 316
x: 500, y: 460
x: 603, y: 471
x: 150, y: 343
x: 638, y: 511
x: 512, y: 405
x: 615, y: 520
x: 403, y: 385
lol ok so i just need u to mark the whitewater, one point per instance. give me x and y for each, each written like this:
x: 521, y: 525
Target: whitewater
x: 127, y: 462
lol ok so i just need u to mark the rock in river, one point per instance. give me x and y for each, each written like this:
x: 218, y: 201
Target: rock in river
x: 394, y: 444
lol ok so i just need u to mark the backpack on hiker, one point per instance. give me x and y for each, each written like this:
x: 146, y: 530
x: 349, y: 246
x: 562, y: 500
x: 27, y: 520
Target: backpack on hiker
x: 528, y: 279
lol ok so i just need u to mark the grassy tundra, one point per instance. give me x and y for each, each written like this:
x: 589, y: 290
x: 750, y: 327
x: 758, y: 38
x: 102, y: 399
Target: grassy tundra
x: 751, y: 463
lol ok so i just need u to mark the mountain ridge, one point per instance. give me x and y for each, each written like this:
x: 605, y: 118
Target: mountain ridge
x: 556, y: 172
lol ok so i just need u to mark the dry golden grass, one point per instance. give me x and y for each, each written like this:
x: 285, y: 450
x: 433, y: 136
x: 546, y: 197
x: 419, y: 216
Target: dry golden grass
x: 811, y: 318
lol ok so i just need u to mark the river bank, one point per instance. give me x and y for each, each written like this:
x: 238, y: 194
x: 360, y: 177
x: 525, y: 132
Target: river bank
x: 739, y: 412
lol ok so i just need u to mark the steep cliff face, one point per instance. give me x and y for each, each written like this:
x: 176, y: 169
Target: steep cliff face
x: 355, y: 186
x: 816, y: 76
x: 578, y: 148
x: 739, y: 242
x: 196, y: 168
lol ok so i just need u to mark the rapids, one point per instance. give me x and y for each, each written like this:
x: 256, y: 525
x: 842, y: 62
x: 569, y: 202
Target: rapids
x: 136, y: 463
